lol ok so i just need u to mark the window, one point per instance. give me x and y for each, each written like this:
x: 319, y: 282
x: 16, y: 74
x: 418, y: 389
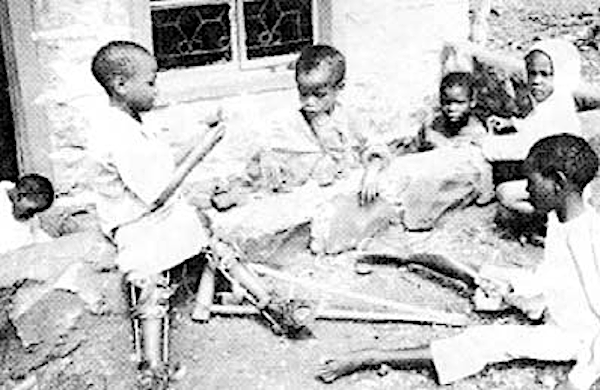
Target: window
x: 240, y: 34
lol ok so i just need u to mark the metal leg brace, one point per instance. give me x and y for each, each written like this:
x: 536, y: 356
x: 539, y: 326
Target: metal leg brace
x: 150, y: 303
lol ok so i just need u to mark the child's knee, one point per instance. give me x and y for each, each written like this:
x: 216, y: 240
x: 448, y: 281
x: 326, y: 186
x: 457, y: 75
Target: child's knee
x: 511, y: 193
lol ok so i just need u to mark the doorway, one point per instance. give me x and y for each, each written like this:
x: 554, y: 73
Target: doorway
x: 8, y: 149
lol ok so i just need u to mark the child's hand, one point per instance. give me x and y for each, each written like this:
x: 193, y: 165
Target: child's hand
x: 369, y: 188
x: 499, y: 125
x: 214, y: 119
x: 494, y: 287
x: 490, y: 294
x: 325, y: 172
x: 533, y: 307
x: 272, y: 171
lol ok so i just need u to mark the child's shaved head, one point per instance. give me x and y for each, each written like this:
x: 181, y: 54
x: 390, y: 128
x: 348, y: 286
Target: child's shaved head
x: 458, y: 79
x: 565, y: 153
x: 117, y: 58
x: 36, y: 188
x: 317, y: 57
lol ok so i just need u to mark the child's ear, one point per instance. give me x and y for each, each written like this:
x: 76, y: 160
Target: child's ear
x: 473, y: 101
x: 118, y: 85
x: 339, y: 86
x: 560, y: 180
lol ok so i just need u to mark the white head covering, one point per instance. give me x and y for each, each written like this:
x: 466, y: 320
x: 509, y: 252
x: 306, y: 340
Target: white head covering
x: 566, y: 64
x: 557, y: 114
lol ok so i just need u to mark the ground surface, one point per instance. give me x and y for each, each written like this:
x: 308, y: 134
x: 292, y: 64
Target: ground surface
x: 235, y: 353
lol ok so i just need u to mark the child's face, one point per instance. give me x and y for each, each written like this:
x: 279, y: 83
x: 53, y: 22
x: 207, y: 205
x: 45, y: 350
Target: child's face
x: 543, y: 192
x: 317, y: 90
x: 139, y: 91
x: 456, y: 103
x: 540, y: 75
x: 23, y: 208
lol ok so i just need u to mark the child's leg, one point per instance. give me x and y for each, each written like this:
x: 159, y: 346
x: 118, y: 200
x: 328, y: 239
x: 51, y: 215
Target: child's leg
x: 525, y: 221
x: 240, y: 273
x: 401, y: 359
x: 151, y: 310
x: 227, y: 260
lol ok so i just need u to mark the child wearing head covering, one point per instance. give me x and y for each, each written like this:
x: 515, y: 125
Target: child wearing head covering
x: 552, y: 71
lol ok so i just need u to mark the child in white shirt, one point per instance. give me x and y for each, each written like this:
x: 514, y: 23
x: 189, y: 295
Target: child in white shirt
x: 20, y: 203
x: 563, y: 291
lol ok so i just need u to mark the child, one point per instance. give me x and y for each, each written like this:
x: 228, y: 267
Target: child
x: 138, y: 204
x: 564, y: 289
x: 19, y: 205
x: 455, y: 125
x: 450, y: 171
x: 322, y: 140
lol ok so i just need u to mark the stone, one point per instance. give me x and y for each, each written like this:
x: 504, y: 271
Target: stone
x: 47, y: 261
x: 261, y: 225
x: 101, y: 292
x: 49, y: 319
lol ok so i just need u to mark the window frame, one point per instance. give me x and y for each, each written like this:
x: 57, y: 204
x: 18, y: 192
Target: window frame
x: 239, y: 75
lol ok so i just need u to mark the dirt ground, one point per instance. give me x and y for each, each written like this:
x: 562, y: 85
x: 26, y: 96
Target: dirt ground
x: 242, y: 353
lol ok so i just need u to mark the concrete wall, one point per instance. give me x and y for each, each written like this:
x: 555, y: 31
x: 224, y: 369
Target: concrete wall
x: 392, y: 49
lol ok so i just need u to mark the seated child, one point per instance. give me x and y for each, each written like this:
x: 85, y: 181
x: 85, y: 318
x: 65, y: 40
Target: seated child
x: 450, y: 170
x: 563, y: 291
x: 138, y: 202
x: 321, y: 141
x: 455, y: 125
x: 20, y: 203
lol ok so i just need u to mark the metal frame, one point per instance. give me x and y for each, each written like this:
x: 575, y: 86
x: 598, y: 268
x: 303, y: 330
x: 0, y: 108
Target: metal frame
x: 238, y: 33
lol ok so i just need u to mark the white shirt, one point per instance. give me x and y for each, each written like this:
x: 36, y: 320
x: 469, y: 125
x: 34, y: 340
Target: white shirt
x: 16, y: 234
x: 133, y: 167
x: 569, y: 279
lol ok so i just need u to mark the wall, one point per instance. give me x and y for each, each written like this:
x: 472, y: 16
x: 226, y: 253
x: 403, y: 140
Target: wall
x: 392, y: 52
x: 65, y: 34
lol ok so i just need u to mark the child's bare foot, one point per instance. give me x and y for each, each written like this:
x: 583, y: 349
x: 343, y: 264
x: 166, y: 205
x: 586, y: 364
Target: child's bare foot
x: 344, y: 365
x: 335, y: 368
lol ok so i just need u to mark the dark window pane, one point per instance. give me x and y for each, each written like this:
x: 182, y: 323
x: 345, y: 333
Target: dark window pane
x: 276, y: 27
x: 192, y: 36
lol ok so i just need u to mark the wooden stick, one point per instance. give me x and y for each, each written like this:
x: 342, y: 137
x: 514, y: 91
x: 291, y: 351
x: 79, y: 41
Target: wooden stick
x: 427, y: 315
x: 190, y: 162
x: 182, y: 171
x: 330, y: 314
x: 205, y: 294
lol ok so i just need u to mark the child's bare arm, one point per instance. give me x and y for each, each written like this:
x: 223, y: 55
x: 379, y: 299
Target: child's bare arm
x: 369, y: 190
x: 587, y: 96
x: 512, y: 65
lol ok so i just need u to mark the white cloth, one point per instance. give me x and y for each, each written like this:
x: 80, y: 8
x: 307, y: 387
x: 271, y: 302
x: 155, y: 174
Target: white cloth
x: 569, y: 281
x: 557, y: 114
x: 16, y: 234
x: 132, y: 168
